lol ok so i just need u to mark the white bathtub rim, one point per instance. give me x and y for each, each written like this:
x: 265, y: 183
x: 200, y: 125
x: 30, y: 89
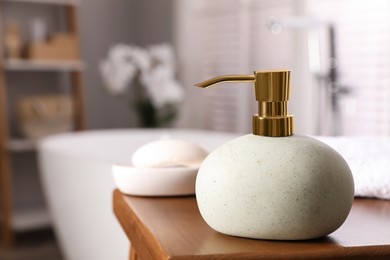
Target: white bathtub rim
x: 59, y: 144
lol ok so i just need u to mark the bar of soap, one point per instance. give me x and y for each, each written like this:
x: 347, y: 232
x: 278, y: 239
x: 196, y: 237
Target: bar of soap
x: 169, y: 153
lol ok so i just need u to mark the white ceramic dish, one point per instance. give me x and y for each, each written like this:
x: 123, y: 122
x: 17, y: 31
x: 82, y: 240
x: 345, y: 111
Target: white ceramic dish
x: 168, y: 181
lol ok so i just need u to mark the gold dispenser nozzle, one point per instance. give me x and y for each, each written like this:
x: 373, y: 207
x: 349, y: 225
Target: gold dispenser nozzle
x: 272, y: 90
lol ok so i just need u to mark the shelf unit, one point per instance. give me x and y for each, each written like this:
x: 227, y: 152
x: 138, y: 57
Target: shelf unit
x: 57, y: 2
x: 13, y: 219
x: 26, y: 65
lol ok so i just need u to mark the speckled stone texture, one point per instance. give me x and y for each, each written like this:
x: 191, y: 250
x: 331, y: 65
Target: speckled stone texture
x: 283, y: 188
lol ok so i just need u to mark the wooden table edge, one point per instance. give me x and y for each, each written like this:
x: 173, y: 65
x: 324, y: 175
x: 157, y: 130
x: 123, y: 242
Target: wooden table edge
x: 130, y: 221
x: 147, y: 246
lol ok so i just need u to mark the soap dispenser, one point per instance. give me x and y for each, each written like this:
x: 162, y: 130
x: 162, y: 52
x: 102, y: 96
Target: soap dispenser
x: 272, y: 184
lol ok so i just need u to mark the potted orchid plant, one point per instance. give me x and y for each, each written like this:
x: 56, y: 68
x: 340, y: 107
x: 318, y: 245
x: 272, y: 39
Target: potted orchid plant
x: 150, y: 73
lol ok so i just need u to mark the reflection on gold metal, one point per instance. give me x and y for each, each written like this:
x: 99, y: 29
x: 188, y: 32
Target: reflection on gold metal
x: 225, y: 78
x: 272, y: 90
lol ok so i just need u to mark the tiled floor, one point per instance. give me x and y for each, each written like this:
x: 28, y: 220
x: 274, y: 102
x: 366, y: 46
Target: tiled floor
x: 37, y: 245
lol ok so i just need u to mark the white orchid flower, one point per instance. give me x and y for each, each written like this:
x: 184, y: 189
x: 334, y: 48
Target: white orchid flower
x: 140, y: 58
x: 120, y: 53
x: 154, y: 67
x: 117, y: 72
x: 162, y: 53
x: 162, y: 87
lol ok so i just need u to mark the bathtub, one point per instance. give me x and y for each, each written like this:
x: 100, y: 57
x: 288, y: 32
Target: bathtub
x: 75, y: 170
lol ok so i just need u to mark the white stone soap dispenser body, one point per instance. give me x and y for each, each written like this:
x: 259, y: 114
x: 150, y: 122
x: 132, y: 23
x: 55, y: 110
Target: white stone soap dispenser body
x: 284, y: 188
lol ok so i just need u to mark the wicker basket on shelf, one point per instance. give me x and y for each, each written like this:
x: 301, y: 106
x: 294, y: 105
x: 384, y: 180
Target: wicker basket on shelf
x: 40, y: 116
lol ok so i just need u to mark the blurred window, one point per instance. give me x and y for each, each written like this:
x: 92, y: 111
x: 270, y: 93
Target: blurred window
x: 235, y: 38
x: 363, y: 51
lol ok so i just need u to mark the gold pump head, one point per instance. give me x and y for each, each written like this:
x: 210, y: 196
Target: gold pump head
x: 272, y: 90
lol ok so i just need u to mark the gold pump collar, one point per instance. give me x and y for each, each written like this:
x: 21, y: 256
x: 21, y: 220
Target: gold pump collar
x: 272, y: 90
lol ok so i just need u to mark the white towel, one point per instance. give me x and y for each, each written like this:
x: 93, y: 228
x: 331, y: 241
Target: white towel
x: 369, y: 160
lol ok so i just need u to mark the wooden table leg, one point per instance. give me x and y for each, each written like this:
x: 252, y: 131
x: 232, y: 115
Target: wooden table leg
x: 133, y: 254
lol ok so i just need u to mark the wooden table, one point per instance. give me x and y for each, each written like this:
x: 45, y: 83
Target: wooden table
x: 172, y: 228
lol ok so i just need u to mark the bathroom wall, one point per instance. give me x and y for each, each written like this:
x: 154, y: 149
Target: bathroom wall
x: 226, y: 37
x: 102, y: 24
x: 106, y: 23
x: 153, y: 21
